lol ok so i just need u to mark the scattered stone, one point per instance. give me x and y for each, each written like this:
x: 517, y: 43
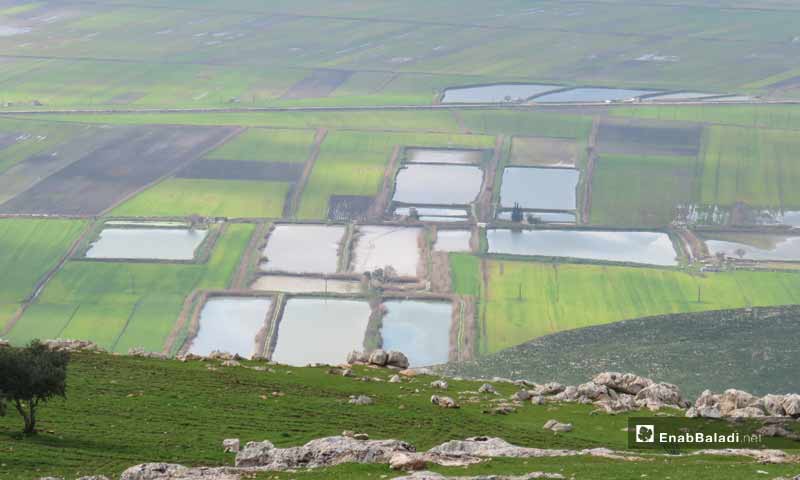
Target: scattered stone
x: 659, y: 395
x: 440, y: 384
x: 487, y: 388
x: 557, y: 426
x: 4, y: 343
x: 521, y: 396
x: 407, y: 462
x: 503, y: 410
x: 746, y: 412
x: 622, y: 382
x: 171, y: 471
x: 62, y: 345
x: 791, y: 405
x: 379, y: 357
x: 397, y: 359
x: 395, y: 379
x: 437, y: 476
x: 537, y: 400
x: 231, y: 363
x: 733, y: 399
x: 220, y: 355
x: 230, y: 445
x: 551, y: 388
x: 141, y: 352
x: 360, y: 400
x: 357, y: 357
x: 444, y: 402
x: 361, y: 436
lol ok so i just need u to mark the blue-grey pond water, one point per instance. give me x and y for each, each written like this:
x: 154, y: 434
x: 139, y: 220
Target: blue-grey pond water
x: 649, y: 248
x: 303, y: 249
x: 443, y: 155
x: 438, y: 184
x: 147, y: 243
x: 230, y: 324
x: 591, y: 95
x: 318, y: 330
x: 539, y: 188
x: 495, y: 93
x: 419, y: 329
x: 750, y: 246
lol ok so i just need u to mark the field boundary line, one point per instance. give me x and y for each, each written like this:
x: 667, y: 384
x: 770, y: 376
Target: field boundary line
x: 38, y: 288
x: 290, y: 209
x: 240, y: 276
x: 127, y: 322
x: 383, y: 199
x: 484, y: 203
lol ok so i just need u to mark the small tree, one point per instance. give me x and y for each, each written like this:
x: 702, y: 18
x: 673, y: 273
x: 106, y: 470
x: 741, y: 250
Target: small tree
x: 30, y: 376
x: 516, y: 213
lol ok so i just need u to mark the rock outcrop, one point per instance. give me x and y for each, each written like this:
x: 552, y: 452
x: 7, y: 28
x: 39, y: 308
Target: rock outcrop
x: 380, y: 358
x: 170, y: 471
x: 65, y: 345
x: 735, y: 403
x: 323, y: 452
x: 439, y: 476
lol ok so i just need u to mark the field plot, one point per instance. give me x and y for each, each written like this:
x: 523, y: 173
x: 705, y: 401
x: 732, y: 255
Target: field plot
x: 266, y: 145
x: 528, y: 300
x: 421, y: 330
x: 544, y: 152
x: 754, y: 116
x: 316, y: 330
x: 387, y: 246
x: 21, y: 139
x: 642, y: 190
x: 303, y: 249
x: 642, y: 139
x: 539, y: 188
x: 124, y: 305
x: 428, y: 184
x: 242, y: 170
x: 210, y: 198
x: 752, y: 246
x: 757, y: 167
x: 105, y: 176
x: 647, y: 248
x: 320, y: 83
x: 28, y: 249
x: 147, y: 243
x: 231, y: 324
x: 353, y: 164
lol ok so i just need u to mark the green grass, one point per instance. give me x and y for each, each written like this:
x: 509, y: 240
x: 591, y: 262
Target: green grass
x: 29, y: 248
x: 637, y: 190
x: 353, y: 163
x: 754, y: 116
x: 210, y: 198
x: 267, y: 146
x: 758, y: 167
x: 147, y: 410
x: 32, y: 138
x: 466, y: 273
x: 121, y: 305
x: 528, y: 300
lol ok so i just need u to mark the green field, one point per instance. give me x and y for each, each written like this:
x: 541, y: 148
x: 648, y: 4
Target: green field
x: 353, y: 163
x: 466, y: 271
x: 635, y: 190
x: 28, y: 249
x: 122, y: 305
x: 266, y: 145
x: 754, y: 166
x: 527, y: 300
x: 784, y: 117
x: 176, y: 197
x: 147, y: 410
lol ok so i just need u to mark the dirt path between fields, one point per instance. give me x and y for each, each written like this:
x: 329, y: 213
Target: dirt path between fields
x: 249, y: 257
x: 484, y: 203
x: 381, y: 202
x: 591, y: 161
x: 290, y: 208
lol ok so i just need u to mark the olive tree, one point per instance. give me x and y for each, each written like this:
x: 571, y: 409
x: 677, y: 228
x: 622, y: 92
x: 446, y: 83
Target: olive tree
x: 30, y: 376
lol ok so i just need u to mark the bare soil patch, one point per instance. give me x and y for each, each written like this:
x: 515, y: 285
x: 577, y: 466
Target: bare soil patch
x: 544, y: 152
x: 114, y: 171
x: 242, y: 170
x: 320, y: 83
x: 632, y: 139
x: 349, y: 207
x: 7, y: 139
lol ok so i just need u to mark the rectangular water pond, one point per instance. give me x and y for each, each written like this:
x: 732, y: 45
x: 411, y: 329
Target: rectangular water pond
x: 443, y: 155
x: 749, y: 246
x: 381, y: 246
x: 432, y: 212
x: 294, y: 284
x: 680, y: 96
x: 419, y: 329
x: 314, y: 330
x: 592, y: 95
x: 438, y: 184
x: 648, y: 248
x: 499, y: 93
x: 146, y: 243
x: 303, y: 249
x: 539, y: 188
x: 230, y: 324
x: 452, y: 241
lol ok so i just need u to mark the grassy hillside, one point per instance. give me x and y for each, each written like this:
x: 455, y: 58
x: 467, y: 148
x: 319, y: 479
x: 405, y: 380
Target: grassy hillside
x: 121, y: 305
x: 122, y: 411
x: 525, y: 300
x: 750, y: 350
